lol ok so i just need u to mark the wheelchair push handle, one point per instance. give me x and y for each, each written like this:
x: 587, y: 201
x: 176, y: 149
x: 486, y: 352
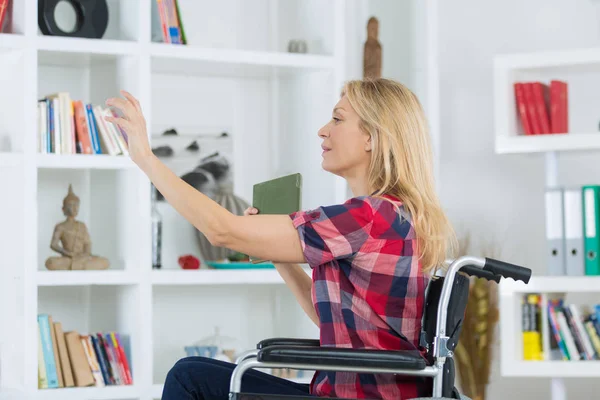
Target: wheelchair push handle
x: 480, y: 273
x: 507, y: 270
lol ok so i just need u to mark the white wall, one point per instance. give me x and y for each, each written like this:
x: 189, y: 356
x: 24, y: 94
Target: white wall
x: 501, y: 197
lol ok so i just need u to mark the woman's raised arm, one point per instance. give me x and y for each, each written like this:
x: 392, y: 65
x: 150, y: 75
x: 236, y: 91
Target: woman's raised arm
x: 270, y: 237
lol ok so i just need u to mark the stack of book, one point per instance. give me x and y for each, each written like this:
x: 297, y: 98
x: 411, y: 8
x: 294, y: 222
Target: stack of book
x: 542, y: 108
x: 574, y: 330
x: 67, y: 126
x: 69, y: 359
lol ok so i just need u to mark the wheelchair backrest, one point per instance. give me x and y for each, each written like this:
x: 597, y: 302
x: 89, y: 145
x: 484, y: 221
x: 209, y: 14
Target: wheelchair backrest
x: 456, y: 312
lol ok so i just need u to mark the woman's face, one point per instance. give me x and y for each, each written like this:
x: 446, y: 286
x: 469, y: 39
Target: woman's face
x: 346, y: 148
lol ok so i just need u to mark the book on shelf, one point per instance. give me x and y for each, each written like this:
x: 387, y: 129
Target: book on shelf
x: 542, y: 108
x: 71, y: 359
x: 572, y: 230
x: 167, y: 13
x: 69, y: 126
x: 5, y: 15
x: 574, y: 330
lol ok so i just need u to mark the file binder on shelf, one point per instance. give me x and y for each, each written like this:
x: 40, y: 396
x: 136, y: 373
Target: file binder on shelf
x: 591, y: 223
x: 555, y: 231
x: 574, y: 249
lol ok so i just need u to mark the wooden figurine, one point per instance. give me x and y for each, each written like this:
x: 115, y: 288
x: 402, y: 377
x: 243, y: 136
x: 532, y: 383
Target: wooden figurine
x: 72, y: 241
x: 372, y: 51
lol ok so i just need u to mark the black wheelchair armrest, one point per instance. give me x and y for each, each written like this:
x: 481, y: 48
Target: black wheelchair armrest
x: 288, y: 342
x: 406, y: 359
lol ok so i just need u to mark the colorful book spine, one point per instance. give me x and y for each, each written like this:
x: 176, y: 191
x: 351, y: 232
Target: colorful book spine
x: 51, y: 371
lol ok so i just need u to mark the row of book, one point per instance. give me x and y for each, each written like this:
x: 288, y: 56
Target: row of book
x: 573, y: 230
x: 574, y: 330
x: 170, y: 21
x: 70, y: 359
x: 67, y: 126
x: 542, y: 108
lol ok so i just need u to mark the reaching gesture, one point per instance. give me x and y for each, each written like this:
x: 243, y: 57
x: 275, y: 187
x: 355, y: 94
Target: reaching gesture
x: 132, y: 121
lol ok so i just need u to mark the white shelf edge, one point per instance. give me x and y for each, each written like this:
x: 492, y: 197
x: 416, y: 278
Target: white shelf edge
x: 86, y: 46
x: 552, y: 369
x: 552, y: 284
x: 548, y: 59
x: 549, y: 142
x: 8, y: 159
x: 248, y: 57
x: 82, y: 278
x: 83, y: 161
x: 96, y: 393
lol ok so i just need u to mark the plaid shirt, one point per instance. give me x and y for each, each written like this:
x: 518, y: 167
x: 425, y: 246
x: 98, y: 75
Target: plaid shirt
x: 368, y: 290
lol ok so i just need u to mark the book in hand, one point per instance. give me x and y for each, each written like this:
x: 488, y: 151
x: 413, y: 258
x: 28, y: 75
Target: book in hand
x: 278, y: 196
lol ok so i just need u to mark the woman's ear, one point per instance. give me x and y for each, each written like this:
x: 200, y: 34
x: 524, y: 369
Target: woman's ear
x: 368, y: 143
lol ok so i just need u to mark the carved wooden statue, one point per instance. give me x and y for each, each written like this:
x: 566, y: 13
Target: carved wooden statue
x: 372, y: 51
x: 72, y: 241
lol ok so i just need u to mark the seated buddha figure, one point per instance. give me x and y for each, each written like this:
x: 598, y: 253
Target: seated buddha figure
x: 72, y: 241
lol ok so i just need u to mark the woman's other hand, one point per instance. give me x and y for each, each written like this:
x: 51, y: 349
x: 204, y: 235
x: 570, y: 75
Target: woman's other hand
x: 132, y: 121
x: 250, y: 211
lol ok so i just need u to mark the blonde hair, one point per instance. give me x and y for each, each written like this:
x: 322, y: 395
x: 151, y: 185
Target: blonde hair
x: 402, y: 161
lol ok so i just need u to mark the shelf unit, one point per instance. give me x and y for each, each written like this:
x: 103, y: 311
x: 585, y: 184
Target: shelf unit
x: 579, y: 68
x: 234, y: 75
x: 241, y: 86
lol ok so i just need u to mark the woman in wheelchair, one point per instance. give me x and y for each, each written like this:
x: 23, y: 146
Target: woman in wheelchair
x: 371, y: 257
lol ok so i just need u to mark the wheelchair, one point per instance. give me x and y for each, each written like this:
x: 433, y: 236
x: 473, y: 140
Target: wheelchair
x: 445, y: 305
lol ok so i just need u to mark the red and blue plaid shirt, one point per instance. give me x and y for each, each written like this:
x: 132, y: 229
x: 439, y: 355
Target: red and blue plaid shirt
x: 368, y: 289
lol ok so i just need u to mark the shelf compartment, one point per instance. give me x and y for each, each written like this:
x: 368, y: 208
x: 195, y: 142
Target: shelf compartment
x: 83, y: 161
x: 85, y: 278
x: 123, y: 23
x: 95, y: 393
x: 231, y: 310
x: 260, y: 25
x: 111, y: 203
x: 579, y: 69
x: 89, y: 310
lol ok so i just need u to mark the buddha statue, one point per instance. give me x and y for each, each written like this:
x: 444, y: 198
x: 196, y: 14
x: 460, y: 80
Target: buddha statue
x: 72, y: 241
x: 372, y: 51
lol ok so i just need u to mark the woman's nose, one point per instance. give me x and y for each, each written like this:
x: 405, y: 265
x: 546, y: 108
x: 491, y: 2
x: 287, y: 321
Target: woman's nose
x: 324, y: 131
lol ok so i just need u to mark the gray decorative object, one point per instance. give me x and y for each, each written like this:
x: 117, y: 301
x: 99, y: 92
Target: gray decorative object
x: 227, y: 199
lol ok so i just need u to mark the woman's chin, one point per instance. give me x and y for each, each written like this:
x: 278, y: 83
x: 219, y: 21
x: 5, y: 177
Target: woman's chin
x: 330, y: 168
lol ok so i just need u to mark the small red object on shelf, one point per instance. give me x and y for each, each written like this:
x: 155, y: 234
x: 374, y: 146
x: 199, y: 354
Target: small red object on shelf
x: 188, y: 262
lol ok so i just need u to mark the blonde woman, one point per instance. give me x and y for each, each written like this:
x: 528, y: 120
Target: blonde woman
x: 371, y: 256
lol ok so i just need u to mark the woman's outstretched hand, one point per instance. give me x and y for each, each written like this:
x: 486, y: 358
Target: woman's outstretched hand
x: 250, y: 211
x: 132, y: 121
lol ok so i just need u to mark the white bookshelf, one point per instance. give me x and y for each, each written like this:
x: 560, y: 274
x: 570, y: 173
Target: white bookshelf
x: 579, y: 68
x: 235, y: 75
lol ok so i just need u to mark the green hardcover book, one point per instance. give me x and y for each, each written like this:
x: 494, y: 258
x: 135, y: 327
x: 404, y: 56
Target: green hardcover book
x: 277, y: 196
x: 591, y: 225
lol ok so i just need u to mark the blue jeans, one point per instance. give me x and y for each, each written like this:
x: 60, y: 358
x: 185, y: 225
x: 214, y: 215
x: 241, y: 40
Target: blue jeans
x: 200, y: 378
